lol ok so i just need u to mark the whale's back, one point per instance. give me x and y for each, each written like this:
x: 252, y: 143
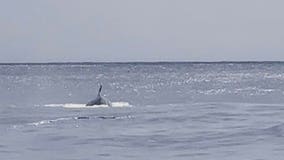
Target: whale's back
x: 99, y: 101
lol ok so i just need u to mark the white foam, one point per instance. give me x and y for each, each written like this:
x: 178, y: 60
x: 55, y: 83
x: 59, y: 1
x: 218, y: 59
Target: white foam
x: 74, y: 105
x: 48, y: 121
x: 120, y: 104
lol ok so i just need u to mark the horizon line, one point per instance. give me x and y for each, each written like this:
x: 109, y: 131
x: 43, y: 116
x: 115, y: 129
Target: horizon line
x: 127, y: 62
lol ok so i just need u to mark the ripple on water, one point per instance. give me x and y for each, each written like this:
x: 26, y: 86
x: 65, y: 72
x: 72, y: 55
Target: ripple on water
x: 61, y: 138
x: 277, y: 130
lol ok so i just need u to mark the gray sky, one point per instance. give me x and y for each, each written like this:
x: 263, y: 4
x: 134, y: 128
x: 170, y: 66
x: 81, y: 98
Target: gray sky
x: 141, y: 30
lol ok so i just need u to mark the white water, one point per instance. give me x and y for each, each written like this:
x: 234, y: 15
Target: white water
x: 83, y: 106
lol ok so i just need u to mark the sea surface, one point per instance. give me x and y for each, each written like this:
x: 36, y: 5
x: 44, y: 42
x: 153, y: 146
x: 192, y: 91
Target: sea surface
x: 168, y: 111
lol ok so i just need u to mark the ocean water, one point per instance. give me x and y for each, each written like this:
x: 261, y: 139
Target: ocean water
x: 196, y: 111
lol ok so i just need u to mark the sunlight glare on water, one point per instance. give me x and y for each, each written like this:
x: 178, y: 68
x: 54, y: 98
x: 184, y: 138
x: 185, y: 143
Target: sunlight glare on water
x: 159, y: 111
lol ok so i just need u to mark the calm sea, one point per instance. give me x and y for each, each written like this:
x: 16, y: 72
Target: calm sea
x: 169, y: 111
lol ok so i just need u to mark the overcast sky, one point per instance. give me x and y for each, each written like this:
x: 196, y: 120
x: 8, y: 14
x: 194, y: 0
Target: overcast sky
x: 141, y: 30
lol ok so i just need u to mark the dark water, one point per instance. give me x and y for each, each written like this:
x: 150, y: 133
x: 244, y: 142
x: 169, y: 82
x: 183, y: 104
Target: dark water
x: 162, y: 111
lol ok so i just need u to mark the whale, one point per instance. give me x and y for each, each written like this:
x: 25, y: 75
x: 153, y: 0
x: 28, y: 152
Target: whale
x: 99, y: 99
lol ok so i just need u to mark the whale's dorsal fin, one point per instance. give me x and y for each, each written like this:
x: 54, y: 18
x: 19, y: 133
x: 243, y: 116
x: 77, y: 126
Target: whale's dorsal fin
x: 99, y: 99
x: 100, y: 90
